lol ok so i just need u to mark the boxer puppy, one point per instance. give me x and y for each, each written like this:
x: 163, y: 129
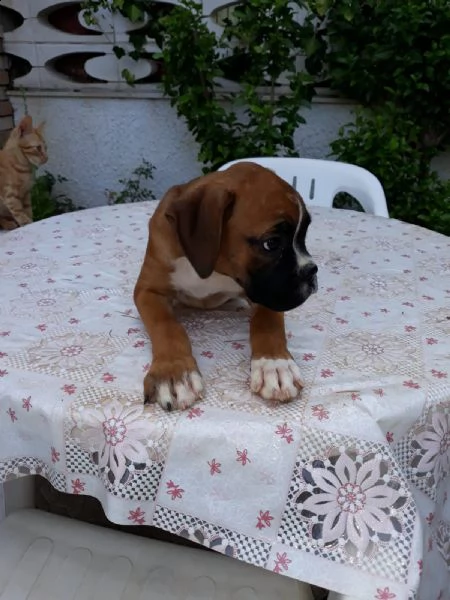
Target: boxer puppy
x: 235, y: 233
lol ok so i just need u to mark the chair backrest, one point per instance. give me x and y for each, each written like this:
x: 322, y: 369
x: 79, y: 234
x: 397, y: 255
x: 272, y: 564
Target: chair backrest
x: 318, y: 181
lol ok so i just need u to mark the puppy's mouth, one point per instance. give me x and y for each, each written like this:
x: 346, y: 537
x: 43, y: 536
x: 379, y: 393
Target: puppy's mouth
x: 288, y: 301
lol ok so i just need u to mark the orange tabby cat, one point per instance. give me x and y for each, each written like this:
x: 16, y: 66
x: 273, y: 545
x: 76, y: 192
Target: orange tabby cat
x: 24, y: 150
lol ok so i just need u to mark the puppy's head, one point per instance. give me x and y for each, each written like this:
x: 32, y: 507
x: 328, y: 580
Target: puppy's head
x: 251, y: 225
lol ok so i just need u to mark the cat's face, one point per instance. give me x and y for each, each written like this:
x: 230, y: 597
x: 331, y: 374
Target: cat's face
x: 31, y: 141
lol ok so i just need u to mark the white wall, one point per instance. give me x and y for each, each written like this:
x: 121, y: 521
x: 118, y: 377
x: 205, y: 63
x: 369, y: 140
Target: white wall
x: 94, y: 142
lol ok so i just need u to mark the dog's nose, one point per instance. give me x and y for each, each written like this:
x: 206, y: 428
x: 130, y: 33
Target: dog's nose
x: 309, y: 270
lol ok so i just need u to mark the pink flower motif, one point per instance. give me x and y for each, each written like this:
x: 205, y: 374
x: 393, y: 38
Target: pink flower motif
x: 326, y: 373
x: 366, y: 314
x: 12, y: 414
x: 242, y: 457
x: 431, y: 341
x: 309, y: 356
x: 139, y: 344
x: 137, y: 516
x: 344, y: 298
x: 282, y: 563
x: 427, y: 297
x: 423, y: 278
x: 78, y: 486
x: 320, y: 412
x: 214, y: 467
x: 55, y: 455
x: 207, y: 354
x: 433, y: 439
x: 379, y: 392
x: 410, y: 304
x: 411, y: 384
x: 3, y: 354
x: 350, y: 499
x: 384, y: 594
x: 50, y: 280
x: 26, y: 403
x: 285, y: 432
x: 4, y: 333
x: 146, y: 367
x: 355, y: 396
x: 420, y: 566
x: 263, y: 519
x: 3, y: 372
x: 195, y: 412
x: 409, y: 328
x: 330, y: 289
x: 104, y: 297
x: 41, y: 327
x: 133, y: 330
x: 317, y: 327
x: 430, y: 544
x: 106, y: 315
x: 174, y: 490
x: 69, y: 388
x: 384, y: 310
x: 439, y: 374
x: 238, y: 345
x: 107, y: 377
x: 389, y: 437
x: 341, y: 321
x: 74, y: 321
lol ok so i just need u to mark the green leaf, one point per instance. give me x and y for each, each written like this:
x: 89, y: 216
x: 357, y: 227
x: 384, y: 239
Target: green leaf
x: 119, y: 51
x: 128, y: 76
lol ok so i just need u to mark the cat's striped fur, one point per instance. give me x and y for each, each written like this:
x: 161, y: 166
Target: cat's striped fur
x: 24, y: 150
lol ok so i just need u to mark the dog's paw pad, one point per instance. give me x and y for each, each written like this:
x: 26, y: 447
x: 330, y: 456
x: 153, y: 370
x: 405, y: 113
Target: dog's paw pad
x: 275, y: 379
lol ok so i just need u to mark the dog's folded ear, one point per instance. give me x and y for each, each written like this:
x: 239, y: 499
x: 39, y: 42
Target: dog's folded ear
x: 198, y: 214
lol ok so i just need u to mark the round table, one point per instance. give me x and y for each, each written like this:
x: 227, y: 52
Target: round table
x: 346, y: 488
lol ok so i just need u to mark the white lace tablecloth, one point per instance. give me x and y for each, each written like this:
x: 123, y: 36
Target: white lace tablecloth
x: 346, y: 488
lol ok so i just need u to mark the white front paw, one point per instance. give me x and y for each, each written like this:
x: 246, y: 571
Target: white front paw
x: 173, y: 391
x: 180, y: 395
x: 275, y: 379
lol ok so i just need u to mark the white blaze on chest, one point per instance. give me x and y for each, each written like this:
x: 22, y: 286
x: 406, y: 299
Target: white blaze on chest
x: 194, y: 291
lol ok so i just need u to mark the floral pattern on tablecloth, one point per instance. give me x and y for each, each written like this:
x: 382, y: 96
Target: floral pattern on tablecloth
x: 347, y: 487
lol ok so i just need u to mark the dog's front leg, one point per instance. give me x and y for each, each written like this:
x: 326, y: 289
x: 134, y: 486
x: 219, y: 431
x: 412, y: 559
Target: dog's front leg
x: 274, y: 373
x: 173, y: 379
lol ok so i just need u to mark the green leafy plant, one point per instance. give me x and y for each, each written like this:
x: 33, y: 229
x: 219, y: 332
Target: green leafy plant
x: 387, y: 147
x: 393, y: 58
x: 259, y: 46
x: 45, y: 202
x: 134, y: 188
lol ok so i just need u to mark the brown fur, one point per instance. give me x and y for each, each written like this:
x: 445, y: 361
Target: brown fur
x: 209, y: 220
x: 24, y: 149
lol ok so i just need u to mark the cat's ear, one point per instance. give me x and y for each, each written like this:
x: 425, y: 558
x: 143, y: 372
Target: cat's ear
x: 25, y: 126
x: 40, y: 128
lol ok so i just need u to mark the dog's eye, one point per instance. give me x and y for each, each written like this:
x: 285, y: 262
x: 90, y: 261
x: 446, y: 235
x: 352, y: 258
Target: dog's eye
x: 271, y: 244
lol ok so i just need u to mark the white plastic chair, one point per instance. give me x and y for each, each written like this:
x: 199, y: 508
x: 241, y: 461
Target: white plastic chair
x: 318, y: 181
